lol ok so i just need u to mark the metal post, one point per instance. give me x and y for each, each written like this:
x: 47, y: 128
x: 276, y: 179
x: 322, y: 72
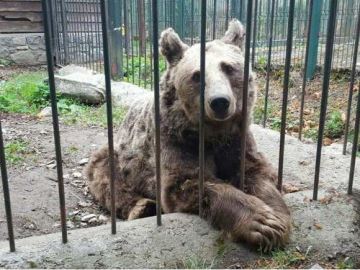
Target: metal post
x: 307, y: 50
x: 325, y: 91
x: 105, y: 35
x: 157, y: 109
x: 355, y: 146
x: 214, y: 21
x: 314, y: 39
x: 50, y: 67
x: 65, y: 31
x: 244, y: 115
x: 6, y: 191
x: 268, y: 64
x: 202, y: 106
x: 254, y: 34
x: 352, y: 79
x: 285, y: 92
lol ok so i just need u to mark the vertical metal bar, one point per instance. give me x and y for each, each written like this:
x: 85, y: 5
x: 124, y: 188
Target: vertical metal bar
x: 244, y: 114
x: 64, y: 30
x: 325, y: 90
x: 314, y: 38
x: 352, y: 79
x: 254, y: 33
x: 150, y: 44
x: 157, y: 109
x: 192, y: 22
x: 202, y: 105
x: 214, y: 21
x: 303, y: 87
x: 285, y: 91
x: 105, y: 35
x: 227, y: 13
x: 131, y: 28
x: 127, y: 29
x: 268, y: 64
x: 5, y: 185
x: 50, y: 67
x: 355, y: 146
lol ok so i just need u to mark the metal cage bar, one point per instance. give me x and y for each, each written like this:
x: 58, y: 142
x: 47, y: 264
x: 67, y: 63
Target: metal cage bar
x: 244, y: 113
x: 351, y: 86
x: 202, y: 106
x: 355, y: 147
x: 285, y: 92
x: 6, y: 190
x: 55, y: 119
x: 325, y: 91
x: 303, y: 87
x: 155, y: 36
x: 105, y: 35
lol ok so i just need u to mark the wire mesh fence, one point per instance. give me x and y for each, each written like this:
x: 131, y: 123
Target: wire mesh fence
x: 77, y: 32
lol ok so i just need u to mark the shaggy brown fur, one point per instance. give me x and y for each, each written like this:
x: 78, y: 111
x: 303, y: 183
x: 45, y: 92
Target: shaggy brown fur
x: 257, y: 215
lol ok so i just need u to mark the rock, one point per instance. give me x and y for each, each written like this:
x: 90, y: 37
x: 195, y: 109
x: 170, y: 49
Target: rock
x: 93, y: 221
x: 22, y: 48
x: 316, y: 266
x: 77, y: 174
x: 83, y: 161
x: 83, y: 84
x: 23, y: 58
x: 46, y: 112
x: 103, y: 219
x: 74, y: 213
x: 51, y: 166
x: 84, y: 204
x: 86, y: 218
x: 70, y: 224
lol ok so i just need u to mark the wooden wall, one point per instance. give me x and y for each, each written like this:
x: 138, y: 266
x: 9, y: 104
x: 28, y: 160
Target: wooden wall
x: 20, y: 16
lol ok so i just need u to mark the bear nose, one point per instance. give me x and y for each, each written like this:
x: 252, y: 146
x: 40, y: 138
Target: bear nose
x: 220, y: 104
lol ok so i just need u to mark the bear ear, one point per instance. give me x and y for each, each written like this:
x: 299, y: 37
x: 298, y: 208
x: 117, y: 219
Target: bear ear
x: 235, y: 34
x: 171, y: 46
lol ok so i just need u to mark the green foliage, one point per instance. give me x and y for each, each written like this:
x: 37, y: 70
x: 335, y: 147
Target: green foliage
x: 334, y: 126
x: 196, y: 263
x: 73, y: 112
x: 24, y: 93
x: 138, y: 70
x: 346, y: 263
x: 16, y: 150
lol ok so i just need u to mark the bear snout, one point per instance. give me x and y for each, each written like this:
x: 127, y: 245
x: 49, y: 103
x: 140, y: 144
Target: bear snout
x: 220, y: 107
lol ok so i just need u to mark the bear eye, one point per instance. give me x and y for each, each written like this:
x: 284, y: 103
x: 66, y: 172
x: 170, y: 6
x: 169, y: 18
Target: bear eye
x: 196, y: 76
x: 227, y: 69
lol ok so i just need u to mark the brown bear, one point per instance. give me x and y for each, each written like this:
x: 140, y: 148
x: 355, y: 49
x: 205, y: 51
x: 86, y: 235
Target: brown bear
x: 257, y: 215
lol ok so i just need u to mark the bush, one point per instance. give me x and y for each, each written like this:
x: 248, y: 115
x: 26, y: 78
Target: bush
x: 334, y: 127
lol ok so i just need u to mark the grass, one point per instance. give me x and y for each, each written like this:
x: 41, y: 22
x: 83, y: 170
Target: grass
x: 16, y: 151
x: 75, y: 113
x: 24, y: 93
x: 282, y: 259
x: 28, y: 94
x: 196, y: 263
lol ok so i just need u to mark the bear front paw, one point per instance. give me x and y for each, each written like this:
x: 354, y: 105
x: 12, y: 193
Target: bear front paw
x: 266, y: 230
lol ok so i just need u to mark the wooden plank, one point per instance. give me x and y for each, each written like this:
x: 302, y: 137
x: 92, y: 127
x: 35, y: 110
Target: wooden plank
x: 29, y: 16
x: 20, y: 6
x: 20, y: 27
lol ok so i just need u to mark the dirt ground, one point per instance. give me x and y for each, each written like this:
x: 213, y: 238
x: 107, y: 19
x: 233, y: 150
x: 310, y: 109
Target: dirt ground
x: 33, y: 184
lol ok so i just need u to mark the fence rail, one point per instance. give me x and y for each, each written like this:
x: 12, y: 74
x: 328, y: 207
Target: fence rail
x: 152, y: 48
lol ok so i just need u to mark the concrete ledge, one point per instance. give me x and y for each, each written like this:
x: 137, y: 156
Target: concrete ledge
x: 137, y: 244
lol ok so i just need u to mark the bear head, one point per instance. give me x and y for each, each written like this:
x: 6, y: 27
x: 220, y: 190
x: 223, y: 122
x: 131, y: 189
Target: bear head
x: 224, y: 72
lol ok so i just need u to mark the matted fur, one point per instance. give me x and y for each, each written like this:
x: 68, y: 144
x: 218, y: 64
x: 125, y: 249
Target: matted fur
x: 258, y: 215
